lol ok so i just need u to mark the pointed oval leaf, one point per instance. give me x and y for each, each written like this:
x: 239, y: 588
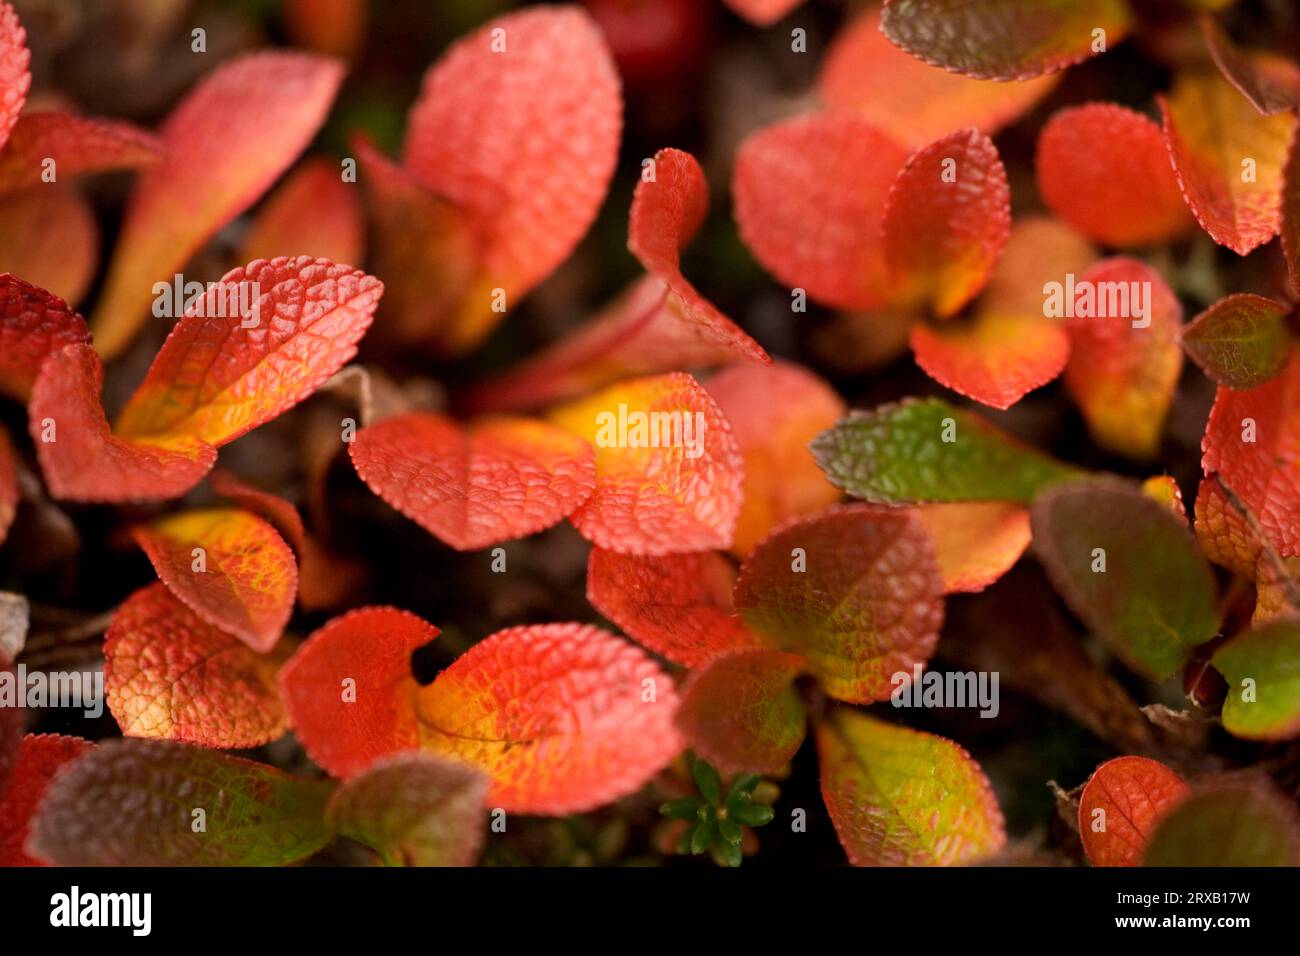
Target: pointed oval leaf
x: 132, y: 803
x: 227, y: 142
x: 33, y: 323
x: 171, y: 675
x: 861, y: 598
x: 49, y: 236
x: 975, y: 542
x: 562, y: 718
x: 15, y: 77
x: 899, y: 797
x: 40, y: 757
x: 1129, y: 569
x: 495, y: 480
x: 1241, y: 341
x: 1228, y: 824
x: 1268, y: 707
x: 78, y: 146
x: 1121, y: 804
x: 677, y: 605
x: 312, y: 213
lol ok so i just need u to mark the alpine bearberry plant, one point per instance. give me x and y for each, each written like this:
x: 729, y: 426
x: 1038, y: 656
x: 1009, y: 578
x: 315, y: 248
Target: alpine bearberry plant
x: 404, y: 500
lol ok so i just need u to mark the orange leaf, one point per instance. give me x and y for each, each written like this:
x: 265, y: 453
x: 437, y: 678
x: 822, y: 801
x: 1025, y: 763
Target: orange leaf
x: 76, y: 145
x: 1215, y: 139
x: 775, y: 412
x: 1039, y: 250
x: 221, y: 375
x: 336, y: 27
x: 1227, y: 534
x: 48, y: 235
x: 15, y: 78
x: 33, y: 323
x: 762, y: 12
x: 8, y: 487
x: 172, y: 675
x: 312, y: 213
x: 1121, y: 804
x: 39, y: 758
x: 975, y: 542
x: 562, y: 717
x: 838, y: 165
x: 741, y: 711
x: 909, y: 100
x: 349, y: 688
x: 668, y: 469
x: 531, y: 180
x: 81, y: 459
x: 1164, y: 489
x: 229, y: 566
x: 496, y: 480
x: 678, y: 605
x: 227, y: 141
x: 281, y: 513
x: 1122, y: 373
x: 995, y: 359
x: 1105, y: 170
x: 947, y: 220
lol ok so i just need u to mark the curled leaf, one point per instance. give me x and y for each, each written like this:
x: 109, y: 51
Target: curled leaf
x: 995, y: 359
x: 1121, y: 804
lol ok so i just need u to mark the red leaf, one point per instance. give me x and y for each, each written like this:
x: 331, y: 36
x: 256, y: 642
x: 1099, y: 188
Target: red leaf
x: 947, y: 220
x: 78, y: 146
x: 532, y: 179
x: 741, y: 711
x: 33, y: 323
x: 219, y: 376
x: 15, y: 78
x: 1105, y: 170
x: 1271, y: 83
x: 49, y: 236
x: 1125, y: 798
x: 171, y: 675
x: 312, y: 213
x: 1228, y: 534
x: 349, y: 688
x: 678, y: 605
x: 1040, y: 249
x: 995, y: 359
x: 85, y: 461
x: 843, y: 168
x: 762, y: 12
x: 227, y: 141
x: 493, y: 481
x: 39, y: 758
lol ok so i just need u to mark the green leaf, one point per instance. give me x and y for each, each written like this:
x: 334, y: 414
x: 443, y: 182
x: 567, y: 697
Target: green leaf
x: 1231, y: 824
x: 731, y: 831
x: 134, y: 802
x: 899, y: 797
x: 703, y: 836
x: 926, y: 451
x: 752, y: 814
x: 685, y: 808
x: 728, y: 854
x: 1241, y: 341
x: 706, y: 778
x: 1268, y: 707
x: 1154, y: 600
x: 414, y: 810
x: 744, y: 784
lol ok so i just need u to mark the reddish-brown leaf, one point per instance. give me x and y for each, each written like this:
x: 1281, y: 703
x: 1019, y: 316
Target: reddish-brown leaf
x: 77, y: 146
x: 1120, y: 806
x: 995, y: 359
x: 39, y: 758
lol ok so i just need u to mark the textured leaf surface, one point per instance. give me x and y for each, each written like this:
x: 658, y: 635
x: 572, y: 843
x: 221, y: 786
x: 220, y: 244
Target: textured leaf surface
x: 669, y: 485
x: 995, y: 359
x: 350, y: 691
x: 1228, y: 824
x: 1121, y: 804
x: 1271, y: 83
x: 1241, y: 341
x: 49, y: 236
x: 131, y: 802
x: 1229, y: 535
x: 678, y: 605
x: 1105, y: 170
x: 39, y: 758
x: 775, y: 412
x: 244, y: 579
x: 1164, y: 490
x: 15, y: 77
x: 77, y: 146
x: 86, y: 462
x: 1269, y: 657
x: 227, y: 142
x: 562, y: 717
x: 896, y: 454
x: 742, y: 713
x: 909, y: 100
x: 1252, y: 442
x: 1154, y: 601
x: 899, y: 797
x: 975, y: 543
x: 868, y: 606
x: 492, y: 481
x: 170, y: 674
x: 532, y: 179
x: 1123, y: 373
x: 1212, y: 131
x: 33, y: 323
x: 840, y: 166
x: 313, y: 213
x: 947, y: 220
x: 281, y: 513
x: 220, y: 376
x: 414, y: 810
x: 1003, y: 39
